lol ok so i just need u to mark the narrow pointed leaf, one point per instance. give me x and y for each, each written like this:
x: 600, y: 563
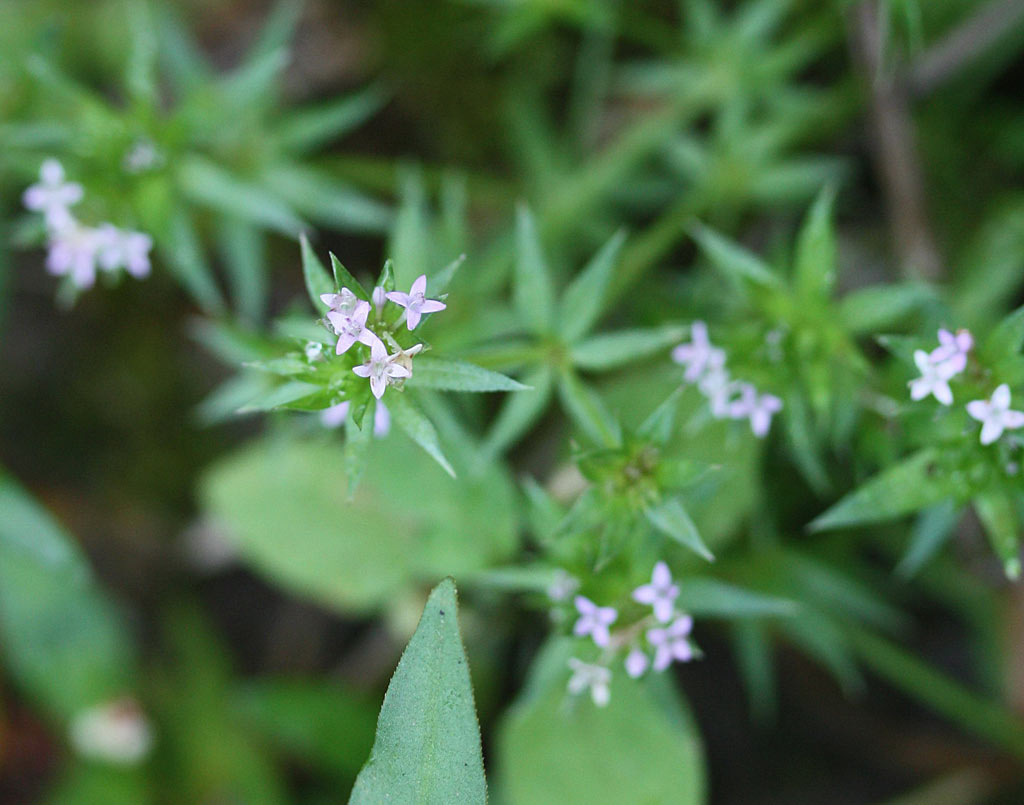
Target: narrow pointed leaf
x: 733, y: 260
x: 814, y: 272
x: 584, y: 299
x: 533, y: 291
x: 672, y: 519
x: 318, y: 281
x: 520, y: 411
x: 932, y: 530
x: 454, y: 375
x: 601, y: 353
x: 313, y: 127
x: 421, y: 430
x: 342, y: 279
x: 906, y: 487
x: 586, y: 408
x: 998, y: 514
x: 711, y: 598
x: 427, y: 748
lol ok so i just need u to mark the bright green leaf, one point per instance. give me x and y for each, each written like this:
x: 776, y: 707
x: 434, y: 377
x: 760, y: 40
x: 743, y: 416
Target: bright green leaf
x: 532, y: 287
x: 427, y: 748
x: 672, y: 519
x: 584, y: 298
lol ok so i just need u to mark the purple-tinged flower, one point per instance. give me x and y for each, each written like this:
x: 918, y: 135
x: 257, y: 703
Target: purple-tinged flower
x: 671, y: 643
x: 594, y: 620
x: 995, y: 414
x: 595, y: 677
x: 415, y: 302
x: 52, y: 195
x: 344, y: 301
x: 116, y: 731
x: 380, y: 298
x: 334, y: 417
x: 699, y: 356
x: 122, y: 248
x: 660, y: 594
x: 351, y: 327
x: 382, y: 368
x: 725, y: 396
x: 73, y: 253
x: 759, y: 408
x: 934, y: 379
x: 636, y: 663
x: 953, y: 349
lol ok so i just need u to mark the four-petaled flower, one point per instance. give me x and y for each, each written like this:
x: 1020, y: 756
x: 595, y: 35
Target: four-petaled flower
x: 382, y: 368
x: 698, y: 356
x: 595, y: 677
x: 351, y: 327
x: 953, y: 349
x: 636, y: 663
x: 934, y: 379
x: 122, y: 248
x: 660, y: 594
x: 52, y: 195
x: 671, y: 643
x: 415, y: 302
x: 594, y: 620
x: 73, y: 251
x: 995, y: 414
x: 759, y: 408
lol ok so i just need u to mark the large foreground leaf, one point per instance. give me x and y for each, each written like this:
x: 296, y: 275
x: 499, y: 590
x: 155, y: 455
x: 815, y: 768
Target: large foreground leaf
x: 641, y: 748
x: 286, y: 505
x: 427, y: 748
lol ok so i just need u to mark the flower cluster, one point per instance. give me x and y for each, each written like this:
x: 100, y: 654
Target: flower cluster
x: 653, y: 641
x: 728, y: 398
x: 75, y: 249
x: 349, y: 318
x: 944, y: 363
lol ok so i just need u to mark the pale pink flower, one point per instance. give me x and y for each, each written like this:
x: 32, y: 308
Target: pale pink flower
x: 351, y: 327
x: 52, y: 195
x: 660, y: 594
x: 594, y: 620
x: 73, y: 253
x: 415, y: 302
x: 671, y: 643
x: 636, y: 663
x: 699, y: 356
x: 123, y: 248
x: 952, y: 350
x: 995, y: 414
x: 596, y: 678
x: 934, y: 379
x: 115, y: 732
x: 382, y: 369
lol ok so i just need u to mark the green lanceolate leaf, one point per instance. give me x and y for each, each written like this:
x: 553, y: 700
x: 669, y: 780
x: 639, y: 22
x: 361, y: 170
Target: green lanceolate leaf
x: 28, y: 527
x: 659, y: 425
x: 520, y: 411
x: 998, y: 514
x: 586, y: 408
x: 453, y: 375
x: 1008, y: 337
x: 814, y: 271
x: 643, y: 747
x: 672, y: 519
x: 533, y: 291
x: 420, y: 429
x: 607, y: 351
x: 711, y: 598
x: 342, y: 279
x: 312, y: 127
x: 584, y: 299
x: 932, y: 530
x: 878, y: 308
x: 318, y: 281
x: 427, y: 748
x: 733, y: 260
x: 907, y: 487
